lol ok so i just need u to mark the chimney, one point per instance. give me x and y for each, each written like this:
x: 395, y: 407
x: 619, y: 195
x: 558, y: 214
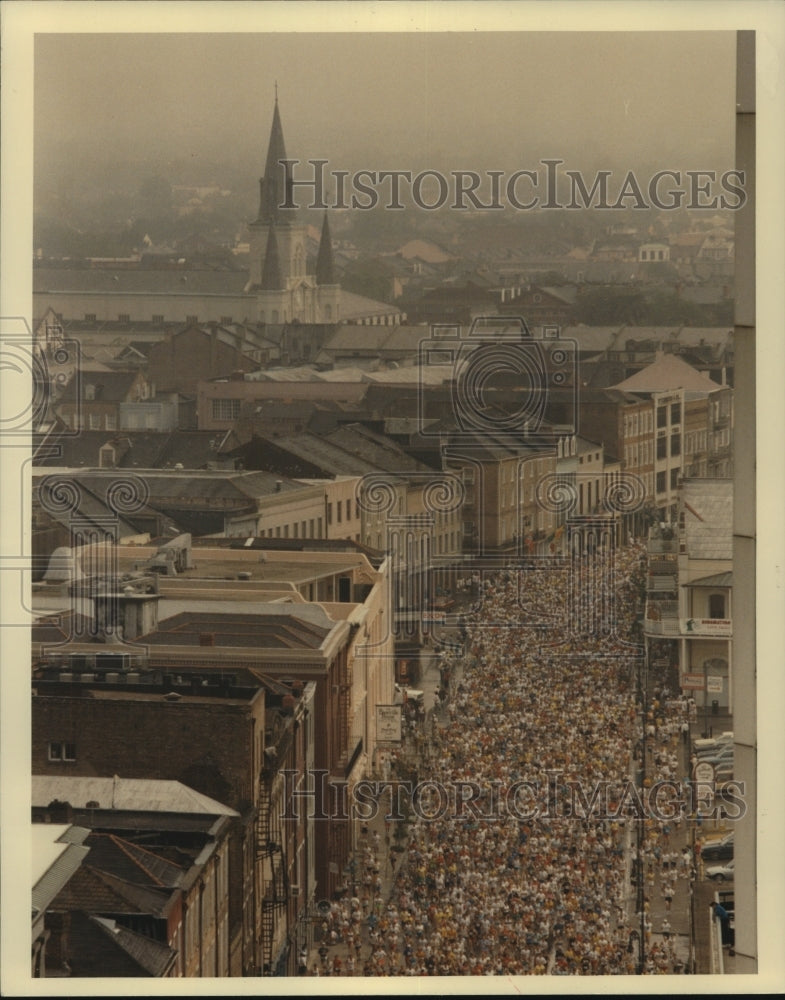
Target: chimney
x: 278, y: 485
x: 60, y: 812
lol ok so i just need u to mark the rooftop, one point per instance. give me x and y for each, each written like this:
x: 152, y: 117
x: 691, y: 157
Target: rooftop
x: 272, y: 627
x: 130, y: 794
x: 665, y: 373
x: 58, y: 851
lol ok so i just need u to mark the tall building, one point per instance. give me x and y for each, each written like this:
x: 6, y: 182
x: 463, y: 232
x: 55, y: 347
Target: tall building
x: 277, y: 273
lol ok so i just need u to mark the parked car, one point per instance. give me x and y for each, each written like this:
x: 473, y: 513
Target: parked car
x: 721, y: 873
x: 718, y: 850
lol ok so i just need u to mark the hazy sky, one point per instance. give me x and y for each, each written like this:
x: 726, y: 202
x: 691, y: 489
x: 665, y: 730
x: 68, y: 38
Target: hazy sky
x: 389, y: 101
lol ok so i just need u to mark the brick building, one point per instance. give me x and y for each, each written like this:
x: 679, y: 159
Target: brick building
x: 136, y: 825
x: 94, y: 724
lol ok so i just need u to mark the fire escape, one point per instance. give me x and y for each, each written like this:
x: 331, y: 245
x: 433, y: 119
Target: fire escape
x: 340, y: 832
x: 270, y: 853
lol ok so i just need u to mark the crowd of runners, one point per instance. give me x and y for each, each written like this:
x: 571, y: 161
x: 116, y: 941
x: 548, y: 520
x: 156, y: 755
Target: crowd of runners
x: 507, y: 867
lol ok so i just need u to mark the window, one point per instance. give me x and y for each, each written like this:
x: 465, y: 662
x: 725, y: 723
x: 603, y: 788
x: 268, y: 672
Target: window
x: 124, y: 318
x: 226, y: 409
x: 329, y: 513
x: 226, y: 320
x: 716, y: 605
x: 89, y: 317
x: 660, y: 482
x: 675, y: 473
x: 675, y: 413
x: 349, y: 510
x: 61, y: 751
x: 662, y: 416
x: 158, y: 317
x: 95, y: 421
x: 662, y: 447
x: 111, y: 422
x: 675, y: 444
x: 191, y: 319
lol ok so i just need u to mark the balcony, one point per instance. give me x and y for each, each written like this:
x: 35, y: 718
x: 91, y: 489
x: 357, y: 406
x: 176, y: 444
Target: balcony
x: 662, y: 618
x: 658, y: 546
x: 662, y: 576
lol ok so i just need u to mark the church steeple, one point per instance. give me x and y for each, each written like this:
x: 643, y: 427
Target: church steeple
x: 277, y: 177
x: 325, y: 274
x: 271, y: 272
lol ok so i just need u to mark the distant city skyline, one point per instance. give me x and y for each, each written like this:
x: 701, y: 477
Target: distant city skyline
x: 385, y: 101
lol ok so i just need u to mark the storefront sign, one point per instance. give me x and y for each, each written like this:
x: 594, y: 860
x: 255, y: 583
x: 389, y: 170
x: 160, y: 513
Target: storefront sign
x: 706, y: 626
x: 388, y: 723
x: 434, y: 617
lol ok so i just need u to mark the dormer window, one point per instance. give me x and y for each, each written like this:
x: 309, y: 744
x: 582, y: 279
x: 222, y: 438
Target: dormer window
x: 89, y: 391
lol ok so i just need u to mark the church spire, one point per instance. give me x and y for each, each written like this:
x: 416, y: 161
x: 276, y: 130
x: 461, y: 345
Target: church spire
x: 271, y: 272
x: 277, y: 177
x: 325, y: 274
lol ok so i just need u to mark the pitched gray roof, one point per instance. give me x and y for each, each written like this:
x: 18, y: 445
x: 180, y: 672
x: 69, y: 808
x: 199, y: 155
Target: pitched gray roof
x: 58, y: 851
x: 136, y: 794
x: 715, y: 580
x: 155, y: 958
